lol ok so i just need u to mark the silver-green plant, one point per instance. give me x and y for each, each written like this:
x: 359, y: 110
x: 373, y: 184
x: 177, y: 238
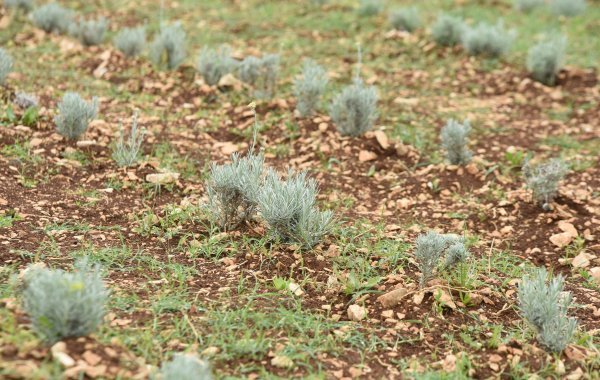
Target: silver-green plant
x: 52, y: 17
x: 431, y: 247
x: 527, y: 5
x: 354, y: 110
x: 169, y: 47
x: 544, y: 307
x: 309, y: 88
x: 185, y: 367
x: 543, y: 180
x: 6, y: 64
x: 213, y: 64
x: 75, y: 114
x: 406, y: 19
x: 448, y: 30
x: 457, y: 252
x: 25, y: 5
x: 368, y: 8
x: 288, y: 206
x: 126, y: 151
x: 233, y: 189
x: 131, y: 41
x: 454, y: 136
x: 568, y: 8
x: 65, y: 304
x: 25, y: 101
x: 488, y: 40
x: 546, y: 59
x: 261, y: 73
x: 89, y: 32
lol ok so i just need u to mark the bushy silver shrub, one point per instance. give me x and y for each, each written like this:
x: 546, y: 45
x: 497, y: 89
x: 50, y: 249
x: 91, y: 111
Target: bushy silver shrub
x: 6, y: 64
x: 545, y: 307
x: 545, y: 59
x: 370, y: 7
x: 261, y: 73
x: 25, y: 5
x: 126, y: 151
x: 131, y: 41
x: 89, y: 32
x: 213, y: 64
x: 488, y: 40
x: 185, y: 367
x: 406, y: 19
x: 74, y: 115
x: 431, y: 247
x: 457, y: 252
x: 448, y: 30
x: 527, y: 5
x: 65, y: 304
x: 289, y: 208
x: 543, y: 180
x: 354, y: 110
x: 309, y: 88
x: 568, y: 8
x: 454, y: 137
x: 52, y: 17
x: 24, y: 100
x: 233, y: 189
x: 169, y: 46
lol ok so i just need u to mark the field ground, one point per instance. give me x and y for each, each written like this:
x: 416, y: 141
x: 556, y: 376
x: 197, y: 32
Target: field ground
x: 179, y: 284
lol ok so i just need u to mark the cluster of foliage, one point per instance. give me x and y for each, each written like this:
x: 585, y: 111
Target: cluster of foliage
x: 6, y: 63
x: 52, y: 18
x: 454, y: 140
x: 185, y: 367
x: 354, y: 110
x: 25, y: 101
x: 406, y: 19
x: 261, y: 73
x: 527, y: 5
x: 25, y: 5
x: 568, y: 8
x: 489, y: 40
x: 233, y: 189
x: 169, y: 47
x: 543, y: 180
x: 545, y: 59
x: 545, y: 307
x: 448, y: 30
x: 289, y: 208
x: 131, y: 41
x: 126, y: 151
x: 309, y: 88
x: 89, y: 32
x: 75, y: 114
x: 213, y: 64
x: 65, y: 304
x: 370, y: 7
x: 431, y: 247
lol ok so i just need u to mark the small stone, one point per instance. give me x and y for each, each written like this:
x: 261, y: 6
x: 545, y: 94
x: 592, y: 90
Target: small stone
x: 85, y: 143
x: 365, y: 155
x: 210, y: 351
x: 392, y: 298
x: 356, y: 313
x: 582, y: 260
x: 561, y: 239
x: 595, y: 272
x: 382, y: 139
x: 59, y: 353
x: 282, y: 361
x: 162, y: 178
